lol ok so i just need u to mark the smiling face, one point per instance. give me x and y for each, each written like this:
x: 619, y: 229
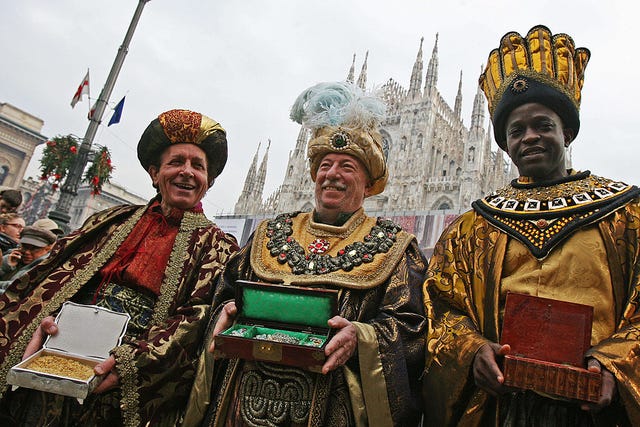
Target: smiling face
x: 181, y: 176
x: 342, y: 183
x: 536, y: 142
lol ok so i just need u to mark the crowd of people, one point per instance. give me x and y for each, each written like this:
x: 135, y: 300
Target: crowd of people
x: 412, y: 342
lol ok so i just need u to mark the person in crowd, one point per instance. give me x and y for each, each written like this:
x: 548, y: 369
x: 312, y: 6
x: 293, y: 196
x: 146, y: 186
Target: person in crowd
x: 158, y: 263
x: 11, y: 225
x: 35, y: 245
x: 10, y: 200
x: 555, y: 233
x: 370, y: 376
x: 48, y: 224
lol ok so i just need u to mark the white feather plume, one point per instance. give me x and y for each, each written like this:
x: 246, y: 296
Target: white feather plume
x: 337, y: 104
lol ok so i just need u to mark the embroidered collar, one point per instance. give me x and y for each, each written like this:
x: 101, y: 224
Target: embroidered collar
x: 542, y: 215
x: 286, y: 249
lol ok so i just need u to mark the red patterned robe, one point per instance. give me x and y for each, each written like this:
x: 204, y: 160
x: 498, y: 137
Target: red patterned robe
x: 156, y: 367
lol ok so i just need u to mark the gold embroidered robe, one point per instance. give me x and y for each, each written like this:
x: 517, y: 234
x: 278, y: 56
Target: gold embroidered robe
x: 379, y: 384
x: 463, y: 288
x: 156, y: 369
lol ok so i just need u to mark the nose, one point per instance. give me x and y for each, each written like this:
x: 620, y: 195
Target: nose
x: 333, y: 171
x: 187, y: 170
x: 530, y: 135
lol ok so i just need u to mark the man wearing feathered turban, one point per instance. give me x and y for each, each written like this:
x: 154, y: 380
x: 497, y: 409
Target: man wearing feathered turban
x: 374, y: 360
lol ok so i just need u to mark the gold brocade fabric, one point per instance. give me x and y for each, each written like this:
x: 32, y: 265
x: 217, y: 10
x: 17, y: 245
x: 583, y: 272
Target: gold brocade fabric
x: 464, y: 305
x: 542, y: 216
x: 575, y: 272
x: 364, y: 275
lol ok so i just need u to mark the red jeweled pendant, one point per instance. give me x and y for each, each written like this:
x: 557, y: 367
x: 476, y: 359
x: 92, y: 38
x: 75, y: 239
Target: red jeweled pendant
x: 318, y: 246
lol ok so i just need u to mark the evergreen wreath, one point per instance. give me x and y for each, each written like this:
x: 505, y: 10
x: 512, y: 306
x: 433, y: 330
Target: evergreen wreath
x: 57, y: 157
x: 100, y: 170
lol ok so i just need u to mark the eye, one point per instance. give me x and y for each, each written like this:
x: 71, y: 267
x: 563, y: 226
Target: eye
x: 514, y: 131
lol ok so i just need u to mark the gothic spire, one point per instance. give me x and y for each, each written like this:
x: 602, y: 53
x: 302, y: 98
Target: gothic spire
x: 477, y: 115
x: 362, y: 79
x: 352, y: 70
x: 457, y: 109
x: 262, y: 174
x: 416, y: 75
x: 431, y: 81
x: 249, y: 185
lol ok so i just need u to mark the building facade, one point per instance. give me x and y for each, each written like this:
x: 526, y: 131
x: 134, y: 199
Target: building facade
x: 435, y: 162
x: 19, y: 136
x: 39, y: 199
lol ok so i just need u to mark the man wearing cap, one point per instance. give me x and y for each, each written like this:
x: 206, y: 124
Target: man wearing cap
x: 35, y: 245
x: 552, y: 233
x: 370, y: 376
x: 48, y: 224
x: 157, y: 263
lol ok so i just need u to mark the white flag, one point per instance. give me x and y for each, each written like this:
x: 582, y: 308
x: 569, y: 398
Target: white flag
x: 82, y: 89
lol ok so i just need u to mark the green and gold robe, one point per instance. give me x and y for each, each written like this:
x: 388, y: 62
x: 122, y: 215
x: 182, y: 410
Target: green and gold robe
x: 379, y: 291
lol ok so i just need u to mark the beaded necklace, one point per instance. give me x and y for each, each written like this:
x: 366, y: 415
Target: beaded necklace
x: 286, y: 249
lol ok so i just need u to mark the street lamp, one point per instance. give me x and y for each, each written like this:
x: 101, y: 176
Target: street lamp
x: 70, y: 187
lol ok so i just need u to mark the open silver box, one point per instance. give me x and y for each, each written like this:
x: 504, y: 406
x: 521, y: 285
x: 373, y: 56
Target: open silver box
x: 86, y: 333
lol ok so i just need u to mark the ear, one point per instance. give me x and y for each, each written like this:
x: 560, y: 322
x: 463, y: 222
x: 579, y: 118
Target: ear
x: 153, y: 173
x: 367, y: 190
x: 569, y: 135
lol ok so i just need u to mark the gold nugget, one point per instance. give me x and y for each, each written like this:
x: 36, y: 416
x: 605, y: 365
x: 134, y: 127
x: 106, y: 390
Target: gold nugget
x: 61, y: 366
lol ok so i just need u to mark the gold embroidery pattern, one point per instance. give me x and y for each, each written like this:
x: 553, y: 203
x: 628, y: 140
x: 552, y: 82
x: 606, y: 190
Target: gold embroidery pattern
x: 274, y: 394
x: 69, y: 289
x: 562, y: 197
x: 536, y: 236
x: 128, y: 374
x: 169, y: 287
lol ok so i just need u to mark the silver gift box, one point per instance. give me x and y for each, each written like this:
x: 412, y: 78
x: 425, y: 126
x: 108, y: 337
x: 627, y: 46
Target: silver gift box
x: 86, y: 333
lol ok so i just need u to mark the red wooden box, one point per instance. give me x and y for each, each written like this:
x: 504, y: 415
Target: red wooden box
x: 280, y: 324
x: 548, y: 340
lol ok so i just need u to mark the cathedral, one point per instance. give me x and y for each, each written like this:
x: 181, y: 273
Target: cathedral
x: 436, y: 163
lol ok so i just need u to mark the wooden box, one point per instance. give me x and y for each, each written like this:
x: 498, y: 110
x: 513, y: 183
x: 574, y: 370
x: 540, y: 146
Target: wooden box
x: 86, y: 335
x: 548, y: 340
x: 280, y: 324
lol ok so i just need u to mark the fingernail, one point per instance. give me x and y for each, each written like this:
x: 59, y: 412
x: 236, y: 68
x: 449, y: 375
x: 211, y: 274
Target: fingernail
x: 98, y: 370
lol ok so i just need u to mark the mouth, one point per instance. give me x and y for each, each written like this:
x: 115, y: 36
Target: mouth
x: 333, y: 188
x: 184, y: 186
x: 531, y: 151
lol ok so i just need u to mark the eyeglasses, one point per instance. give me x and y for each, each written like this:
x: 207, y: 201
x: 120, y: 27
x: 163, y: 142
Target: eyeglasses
x: 18, y: 226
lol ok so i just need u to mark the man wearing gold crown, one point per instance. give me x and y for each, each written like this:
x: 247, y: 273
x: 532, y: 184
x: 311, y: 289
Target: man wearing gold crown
x: 554, y: 233
x: 374, y: 360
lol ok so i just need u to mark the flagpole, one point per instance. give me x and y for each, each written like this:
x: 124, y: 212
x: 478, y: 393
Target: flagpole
x: 70, y: 187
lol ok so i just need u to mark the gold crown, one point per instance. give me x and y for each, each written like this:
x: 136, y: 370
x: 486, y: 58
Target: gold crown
x: 550, y: 59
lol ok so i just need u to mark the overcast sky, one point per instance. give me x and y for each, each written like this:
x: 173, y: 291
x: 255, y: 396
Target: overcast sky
x: 244, y: 62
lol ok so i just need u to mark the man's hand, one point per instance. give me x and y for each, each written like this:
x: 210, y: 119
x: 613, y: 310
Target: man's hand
x: 111, y: 379
x: 14, y: 258
x: 607, y: 391
x: 486, y: 372
x: 47, y: 327
x: 342, y: 346
x: 225, y: 320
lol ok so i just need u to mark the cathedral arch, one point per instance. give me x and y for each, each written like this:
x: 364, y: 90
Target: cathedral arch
x: 4, y: 171
x: 403, y: 143
x: 387, y: 143
x: 443, y: 203
x: 471, y: 157
x: 419, y: 141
